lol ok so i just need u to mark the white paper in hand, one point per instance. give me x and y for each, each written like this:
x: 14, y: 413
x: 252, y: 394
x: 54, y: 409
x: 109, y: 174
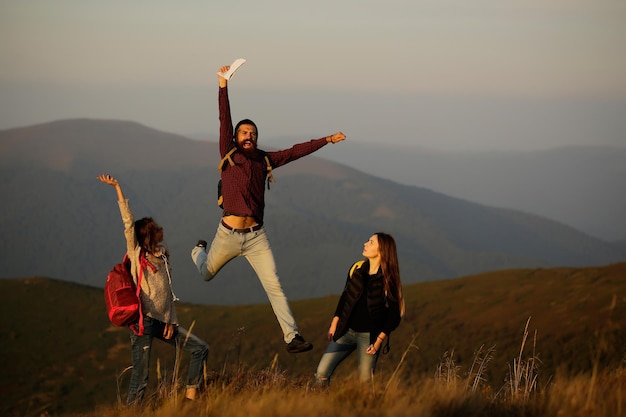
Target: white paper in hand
x: 233, y: 67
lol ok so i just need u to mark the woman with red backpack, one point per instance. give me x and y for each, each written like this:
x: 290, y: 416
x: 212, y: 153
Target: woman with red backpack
x: 149, y: 259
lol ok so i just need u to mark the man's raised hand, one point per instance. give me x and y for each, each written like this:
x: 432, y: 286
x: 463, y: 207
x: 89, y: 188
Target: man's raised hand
x: 335, y: 137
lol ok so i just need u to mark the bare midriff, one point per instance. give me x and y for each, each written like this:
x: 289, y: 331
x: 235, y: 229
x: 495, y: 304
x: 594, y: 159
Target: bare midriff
x: 239, y: 222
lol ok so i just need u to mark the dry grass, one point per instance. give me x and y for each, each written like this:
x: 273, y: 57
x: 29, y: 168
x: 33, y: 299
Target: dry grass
x: 270, y: 394
x: 450, y: 392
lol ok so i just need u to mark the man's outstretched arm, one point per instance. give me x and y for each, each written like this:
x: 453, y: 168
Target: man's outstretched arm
x: 299, y: 150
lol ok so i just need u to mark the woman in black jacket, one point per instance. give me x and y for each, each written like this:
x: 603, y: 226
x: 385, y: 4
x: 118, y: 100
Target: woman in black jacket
x: 370, y: 308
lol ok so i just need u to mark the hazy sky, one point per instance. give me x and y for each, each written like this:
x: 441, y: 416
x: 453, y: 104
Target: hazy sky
x: 450, y: 74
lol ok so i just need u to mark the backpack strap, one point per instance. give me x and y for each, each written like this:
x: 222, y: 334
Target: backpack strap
x: 228, y: 158
x: 356, y: 265
x: 270, y: 177
x: 143, y: 263
x: 139, y: 332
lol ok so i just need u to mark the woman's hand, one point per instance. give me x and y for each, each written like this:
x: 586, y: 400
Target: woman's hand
x: 107, y: 179
x: 168, y: 331
x: 371, y: 350
x: 375, y: 347
x: 333, y: 328
x: 331, y: 331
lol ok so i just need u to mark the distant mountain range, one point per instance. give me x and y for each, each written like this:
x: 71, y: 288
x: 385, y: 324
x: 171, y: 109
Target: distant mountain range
x: 580, y: 186
x: 57, y: 220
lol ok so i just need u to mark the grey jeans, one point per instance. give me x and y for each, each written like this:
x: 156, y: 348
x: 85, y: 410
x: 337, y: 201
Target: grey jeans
x: 255, y: 247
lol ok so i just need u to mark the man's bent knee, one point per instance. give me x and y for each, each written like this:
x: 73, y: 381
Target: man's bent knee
x: 207, y: 275
x: 199, y: 257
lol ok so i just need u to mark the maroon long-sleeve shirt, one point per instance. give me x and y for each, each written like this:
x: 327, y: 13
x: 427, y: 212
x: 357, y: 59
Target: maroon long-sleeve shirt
x: 243, y: 184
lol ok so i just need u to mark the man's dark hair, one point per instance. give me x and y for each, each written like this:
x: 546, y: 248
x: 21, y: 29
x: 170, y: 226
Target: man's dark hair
x: 245, y: 122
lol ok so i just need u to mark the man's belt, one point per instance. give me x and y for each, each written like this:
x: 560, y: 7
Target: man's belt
x: 244, y: 230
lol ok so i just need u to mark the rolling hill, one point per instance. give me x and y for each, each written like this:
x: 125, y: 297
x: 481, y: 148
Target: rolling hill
x: 61, y: 355
x: 58, y: 221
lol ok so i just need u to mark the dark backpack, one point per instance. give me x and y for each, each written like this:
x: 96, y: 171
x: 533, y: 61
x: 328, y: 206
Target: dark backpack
x: 121, y: 297
x: 221, y: 166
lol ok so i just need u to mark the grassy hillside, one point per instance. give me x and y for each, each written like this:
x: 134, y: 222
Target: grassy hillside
x: 61, y: 355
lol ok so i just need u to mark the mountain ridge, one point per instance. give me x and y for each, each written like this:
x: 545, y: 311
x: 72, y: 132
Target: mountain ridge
x: 576, y: 185
x: 318, y: 215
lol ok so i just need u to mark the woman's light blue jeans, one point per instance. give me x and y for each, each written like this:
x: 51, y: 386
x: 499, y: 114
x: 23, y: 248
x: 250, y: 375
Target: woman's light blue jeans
x: 140, y: 351
x: 255, y: 247
x: 337, y: 351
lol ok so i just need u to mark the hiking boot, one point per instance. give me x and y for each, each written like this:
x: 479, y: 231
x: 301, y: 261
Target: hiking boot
x: 298, y: 344
x: 201, y: 244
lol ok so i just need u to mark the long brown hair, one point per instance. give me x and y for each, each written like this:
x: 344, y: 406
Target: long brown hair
x: 149, y: 234
x: 391, y: 268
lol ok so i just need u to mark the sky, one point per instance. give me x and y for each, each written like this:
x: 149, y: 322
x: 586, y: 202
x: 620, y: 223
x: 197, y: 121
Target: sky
x: 443, y: 74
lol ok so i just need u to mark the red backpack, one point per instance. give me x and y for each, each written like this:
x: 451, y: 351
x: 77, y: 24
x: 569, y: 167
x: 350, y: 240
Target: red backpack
x: 121, y: 297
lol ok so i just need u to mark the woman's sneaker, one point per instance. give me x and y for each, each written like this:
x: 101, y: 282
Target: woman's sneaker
x: 298, y: 344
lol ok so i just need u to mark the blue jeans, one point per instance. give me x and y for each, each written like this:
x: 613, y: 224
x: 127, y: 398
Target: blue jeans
x: 140, y: 351
x: 337, y: 351
x: 255, y: 247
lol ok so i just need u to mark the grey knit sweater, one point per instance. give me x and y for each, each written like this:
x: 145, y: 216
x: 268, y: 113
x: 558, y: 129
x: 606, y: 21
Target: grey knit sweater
x: 157, y: 296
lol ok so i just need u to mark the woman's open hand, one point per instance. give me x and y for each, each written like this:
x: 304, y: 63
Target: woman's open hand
x: 107, y: 179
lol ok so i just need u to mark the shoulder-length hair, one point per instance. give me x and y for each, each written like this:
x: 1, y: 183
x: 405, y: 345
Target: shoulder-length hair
x: 149, y: 235
x: 391, y: 268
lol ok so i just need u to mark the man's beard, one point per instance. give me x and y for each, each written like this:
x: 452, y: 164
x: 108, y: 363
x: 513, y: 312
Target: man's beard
x: 248, y: 152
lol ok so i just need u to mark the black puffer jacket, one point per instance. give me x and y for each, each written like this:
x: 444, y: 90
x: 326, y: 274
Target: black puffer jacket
x: 384, y: 313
